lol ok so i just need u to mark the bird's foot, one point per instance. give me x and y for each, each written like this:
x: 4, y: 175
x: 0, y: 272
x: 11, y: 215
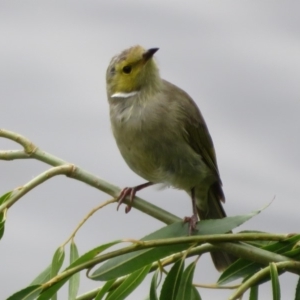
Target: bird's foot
x: 192, y: 223
x: 130, y: 191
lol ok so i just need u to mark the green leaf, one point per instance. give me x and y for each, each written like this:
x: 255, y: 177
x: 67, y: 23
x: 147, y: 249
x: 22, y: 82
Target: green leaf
x: 186, y: 288
x: 172, y: 282
x: 218, y: 226
x: 92, y: 253
x: 75, y: 279
x: 131, y: 282
x: 153, y: 286
x: 128, y: 263
x: 40, y: 279
x: 57, y: 261
x: 275, y: 281
x: 104, y: 289
x: 243, y: 268
x: 195, y: 294
x: 43, y: 277
x: 2, y: 225
x: 294, y: 253
x: 253, y: 293
x: 3, y: 199
x: 29, y: 293
x: 297, y: 294
x: 48, y: 293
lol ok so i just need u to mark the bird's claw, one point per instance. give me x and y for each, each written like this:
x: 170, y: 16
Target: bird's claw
x: 192, y: 223
x: 128, y: 191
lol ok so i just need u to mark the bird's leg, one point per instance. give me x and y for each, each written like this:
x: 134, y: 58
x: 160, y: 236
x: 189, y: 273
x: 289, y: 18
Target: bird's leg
x: 194, y: 218
x: 130, y: 191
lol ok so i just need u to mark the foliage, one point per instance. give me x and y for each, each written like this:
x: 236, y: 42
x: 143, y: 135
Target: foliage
x: 262, y: 256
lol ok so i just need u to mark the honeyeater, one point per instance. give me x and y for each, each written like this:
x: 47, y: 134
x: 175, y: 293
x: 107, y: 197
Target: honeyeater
x: 162, y: 136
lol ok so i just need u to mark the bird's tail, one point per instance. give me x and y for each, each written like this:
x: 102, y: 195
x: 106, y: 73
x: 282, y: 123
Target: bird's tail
x: 215, y: 210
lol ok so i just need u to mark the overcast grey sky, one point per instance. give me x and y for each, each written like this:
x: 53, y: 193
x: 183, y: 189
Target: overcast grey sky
x: 239, y: 60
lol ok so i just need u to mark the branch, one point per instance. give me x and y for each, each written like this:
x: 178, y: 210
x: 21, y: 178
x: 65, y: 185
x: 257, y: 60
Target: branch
x: 33, y: 152
x: 23, y: 190
x: 245, y: 251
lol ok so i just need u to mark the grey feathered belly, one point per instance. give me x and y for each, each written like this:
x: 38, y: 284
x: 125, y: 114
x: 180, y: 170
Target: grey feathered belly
x: 158, y: 154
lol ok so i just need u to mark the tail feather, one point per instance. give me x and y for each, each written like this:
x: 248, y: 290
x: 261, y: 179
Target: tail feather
x: 215, y: 210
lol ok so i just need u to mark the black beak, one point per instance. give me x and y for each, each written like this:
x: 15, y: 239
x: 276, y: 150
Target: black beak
x: 149, y: 53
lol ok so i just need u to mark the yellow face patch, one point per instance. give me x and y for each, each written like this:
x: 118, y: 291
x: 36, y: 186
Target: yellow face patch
x: 125, y: 70
x: 130, y: 70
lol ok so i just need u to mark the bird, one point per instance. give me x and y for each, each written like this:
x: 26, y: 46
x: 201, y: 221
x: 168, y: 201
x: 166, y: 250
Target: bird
x: 162, y: 136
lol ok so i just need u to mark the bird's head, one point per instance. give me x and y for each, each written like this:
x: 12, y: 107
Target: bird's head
x: 132, y: 71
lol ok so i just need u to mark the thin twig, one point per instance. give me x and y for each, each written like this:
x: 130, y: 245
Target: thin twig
x: 86, y: 218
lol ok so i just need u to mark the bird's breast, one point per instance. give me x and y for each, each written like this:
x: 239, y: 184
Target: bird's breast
x: 152, y: 143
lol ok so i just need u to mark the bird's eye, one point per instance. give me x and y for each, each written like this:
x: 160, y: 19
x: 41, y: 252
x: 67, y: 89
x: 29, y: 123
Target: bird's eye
x: 127, y: 69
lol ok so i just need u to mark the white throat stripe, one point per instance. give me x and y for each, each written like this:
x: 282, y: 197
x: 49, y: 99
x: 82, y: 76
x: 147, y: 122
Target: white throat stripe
x: 124, y: 95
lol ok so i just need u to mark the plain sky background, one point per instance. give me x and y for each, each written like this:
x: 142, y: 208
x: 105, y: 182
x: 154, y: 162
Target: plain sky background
x: 240, y: 62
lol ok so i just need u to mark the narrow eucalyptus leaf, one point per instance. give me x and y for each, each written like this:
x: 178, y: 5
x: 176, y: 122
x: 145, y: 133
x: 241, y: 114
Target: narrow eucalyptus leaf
x: 297, y: 293
x: 73, y: 252
x: 52, y: 290
x: 253, y: 293
x: 2, y: 218
x: 48, y: 293
x: 186, y: 288
x: 153, y: 286
x: 131, y: 282
x: 128, y: 263
x: 5, y: 197
x: 275, y: 281
x: 29, y: 293
x: 75, y: 279
x: 294, y: 253
x: 104, y: 289
x: 172, y: 282
x: 57, y: 261
x: 195, y: 294
x: 43, y: 277
x: 243, y: 268
x: 92, y: 253
x: 2, y: 226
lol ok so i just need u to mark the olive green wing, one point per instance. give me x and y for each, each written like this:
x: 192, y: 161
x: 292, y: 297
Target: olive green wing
x: 197, y: 134
x: 194, y: 129
x: 198, y: 137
